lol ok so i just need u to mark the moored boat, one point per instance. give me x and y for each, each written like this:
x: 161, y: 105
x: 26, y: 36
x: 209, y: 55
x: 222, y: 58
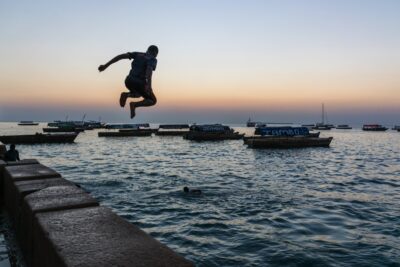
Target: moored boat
x: 172, y: 129
x: 322, y: 125
x: 251, y: 123
x: 38, y: 138
x: 27, y: 123
x: 396, y: 128
x: 288, y: 142
x: 212, y: 132
x: 285, y: 137
x: 343, y: 127
x: 126, y: 125
x: 374, y: 127
x: 63, y: 130
x: 126, y: 133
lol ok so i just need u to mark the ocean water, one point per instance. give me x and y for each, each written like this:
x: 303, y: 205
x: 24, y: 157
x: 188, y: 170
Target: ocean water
x: 337, y: 206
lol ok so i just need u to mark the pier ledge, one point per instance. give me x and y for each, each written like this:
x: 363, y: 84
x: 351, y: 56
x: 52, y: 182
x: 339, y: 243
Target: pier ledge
x: 59, y: 224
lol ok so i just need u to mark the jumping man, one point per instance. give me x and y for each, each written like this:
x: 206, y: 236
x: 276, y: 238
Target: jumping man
x: 138, y: 81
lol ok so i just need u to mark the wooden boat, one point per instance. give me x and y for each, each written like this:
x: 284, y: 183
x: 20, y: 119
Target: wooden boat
x: 172, y: 129
x: 86, y: 125
x: 322, y: 125
x: 27, y: 123
x: 126, y: 132
x: 127, y: 125
x: 288, y: 142
x: 285, y: 137
x: 62, y: 130
x: 343, y: 127
x: 246, y: 138
x: 212, y: 132
x: 251, y: 123
x: 38, y: 138
x: 374, y: 127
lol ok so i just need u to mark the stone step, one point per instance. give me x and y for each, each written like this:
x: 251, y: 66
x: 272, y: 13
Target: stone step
x: 52, y: 198
x: 96, y: 237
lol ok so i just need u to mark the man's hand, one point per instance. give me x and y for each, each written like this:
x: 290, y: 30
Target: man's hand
x: 102, y: 67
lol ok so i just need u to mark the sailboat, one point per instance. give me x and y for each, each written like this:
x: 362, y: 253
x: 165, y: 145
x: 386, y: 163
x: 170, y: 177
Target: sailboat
x: 322, y: 125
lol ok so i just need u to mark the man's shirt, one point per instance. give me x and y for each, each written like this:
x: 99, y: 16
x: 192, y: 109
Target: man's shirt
x: 140, y: 63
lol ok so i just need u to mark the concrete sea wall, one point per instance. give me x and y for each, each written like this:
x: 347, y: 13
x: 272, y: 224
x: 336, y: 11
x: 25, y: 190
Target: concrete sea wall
x: 59, y: 224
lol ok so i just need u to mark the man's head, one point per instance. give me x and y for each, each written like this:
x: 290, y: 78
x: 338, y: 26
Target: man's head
x: 12, y: 147
x: 186, y: 189
x: 152, y: 50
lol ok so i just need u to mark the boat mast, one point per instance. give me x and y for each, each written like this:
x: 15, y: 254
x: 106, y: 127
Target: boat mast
x: 323, y: 113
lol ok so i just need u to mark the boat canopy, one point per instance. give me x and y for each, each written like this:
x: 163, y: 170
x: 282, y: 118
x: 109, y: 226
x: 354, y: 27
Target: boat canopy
x: 127, y: 126
x: 174, y: 126
x: 215, y: 128
x: 282, y: 131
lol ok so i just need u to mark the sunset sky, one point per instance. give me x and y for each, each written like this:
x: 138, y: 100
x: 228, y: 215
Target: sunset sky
x: 218, y: 61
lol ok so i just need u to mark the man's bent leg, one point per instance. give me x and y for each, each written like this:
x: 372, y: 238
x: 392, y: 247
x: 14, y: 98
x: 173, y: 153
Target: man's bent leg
x: 122, y: 99
x: 150, y: 100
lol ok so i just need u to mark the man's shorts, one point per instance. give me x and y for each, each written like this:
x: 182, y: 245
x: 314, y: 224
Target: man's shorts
x: 137, y: 87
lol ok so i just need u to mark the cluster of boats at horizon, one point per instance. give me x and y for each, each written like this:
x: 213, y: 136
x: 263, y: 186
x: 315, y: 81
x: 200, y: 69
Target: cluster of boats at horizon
x: 326, y: 126
x: 266, y: 135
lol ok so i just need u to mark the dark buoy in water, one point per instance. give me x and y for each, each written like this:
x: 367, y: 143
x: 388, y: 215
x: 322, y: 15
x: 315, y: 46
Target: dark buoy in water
x: 191, y: 191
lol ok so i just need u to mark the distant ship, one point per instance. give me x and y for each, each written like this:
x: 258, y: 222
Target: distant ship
x: 322, y: 125
x: 251, y: 123
x: 374, y: 127
x: 396, y: 128
x: 27, y: 123
x: 343, y: 127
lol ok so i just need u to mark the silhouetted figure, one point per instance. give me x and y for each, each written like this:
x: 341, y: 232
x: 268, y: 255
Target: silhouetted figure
x: 139, y: 79
x: 191, y: 191
x: 12, y: 154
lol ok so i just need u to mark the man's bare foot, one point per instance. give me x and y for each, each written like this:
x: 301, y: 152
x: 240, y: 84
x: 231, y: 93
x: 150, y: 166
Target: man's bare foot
x: 133, y: 108
x: 123, y: 98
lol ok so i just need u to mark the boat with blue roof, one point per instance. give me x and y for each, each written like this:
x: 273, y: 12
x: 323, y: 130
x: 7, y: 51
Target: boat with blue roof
x: 212, y: 132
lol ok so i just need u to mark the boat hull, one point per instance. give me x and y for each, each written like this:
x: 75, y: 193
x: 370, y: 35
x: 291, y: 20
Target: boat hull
x: 171, y: 133
x: 212, y: 136
x: 288, y: 142
x: 126, y: 133
x: 28, y: 124
x: 375, y: 130
x: 63, y: 130
x: 38, y: 138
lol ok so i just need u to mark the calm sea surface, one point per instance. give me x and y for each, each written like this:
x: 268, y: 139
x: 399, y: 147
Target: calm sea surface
x: 337, y: 206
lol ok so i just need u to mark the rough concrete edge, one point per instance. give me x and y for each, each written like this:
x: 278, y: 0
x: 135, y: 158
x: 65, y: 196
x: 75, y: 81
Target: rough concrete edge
x: 149, y: 236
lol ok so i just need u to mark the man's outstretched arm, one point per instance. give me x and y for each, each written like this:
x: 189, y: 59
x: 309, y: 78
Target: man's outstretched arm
x: 112, y: 61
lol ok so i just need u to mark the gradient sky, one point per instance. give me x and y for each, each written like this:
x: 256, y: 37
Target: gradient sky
x: 219, y: 60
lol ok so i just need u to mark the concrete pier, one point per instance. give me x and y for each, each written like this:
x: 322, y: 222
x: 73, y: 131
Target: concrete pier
x: 14, y: 174
x: 52, y: 198
x: 59, y: 224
